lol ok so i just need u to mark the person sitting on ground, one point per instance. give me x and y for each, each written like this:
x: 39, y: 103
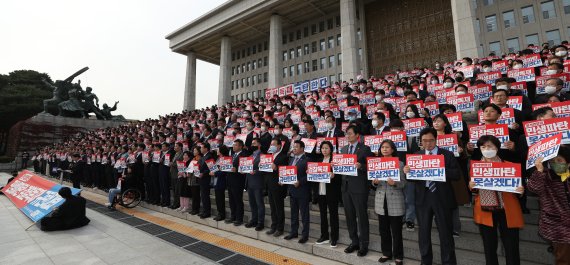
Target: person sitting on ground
x: 71, y: 214
x: 14, y: 175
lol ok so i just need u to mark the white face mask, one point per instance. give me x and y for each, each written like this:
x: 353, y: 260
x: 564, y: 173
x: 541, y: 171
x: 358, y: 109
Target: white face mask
x: 551, y: 72
x: 502, y: 87
x: 561, y: 53
x: 378, y: 98
x: 263, y: 128
x: 447, y: 85
x: 517, y: 66
x: 489, y: 153
x: 309, y: 103
x: 374, y: 123
x: 410, y: 114
x: 460, y: 93
x: 486, y: 69
x: 434, y: 82
x: 550, y: 89
x: 328, y: 126
x: 463, y: 64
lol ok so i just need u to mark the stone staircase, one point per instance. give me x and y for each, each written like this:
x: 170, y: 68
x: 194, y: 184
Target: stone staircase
x: 469, y: 246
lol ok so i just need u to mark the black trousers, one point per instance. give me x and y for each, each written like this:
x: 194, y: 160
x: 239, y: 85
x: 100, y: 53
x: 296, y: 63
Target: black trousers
x: 221, y: 202
x: 331, y: 203
x: 433, y: 207
x: 235, y: 195
x: 300, y: 205
x: 509, y: 237
x: 356, y: 208
x: 195, y: 190
x: 205, y: 195
x: 154, y: 187
x: 391, y: 236
x: 164, y: 184
x: 276, y: 196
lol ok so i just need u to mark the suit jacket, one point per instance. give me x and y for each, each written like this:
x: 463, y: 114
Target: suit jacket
x: 280, y: 160
x: 256, y: 180
x: 72, y: 212
x: 265, y: 139
x: 360, y: 183
x: 204, y: 169
x: 333, y: 188
x: 77, y: 170
x: 303, y: 191
x: 444, y: 190
x: 373, y: 131
x: 236, y: 179
x: 249, y: 138
x: 313, y: 156
x: 393, y: 194
x: 337, y: 132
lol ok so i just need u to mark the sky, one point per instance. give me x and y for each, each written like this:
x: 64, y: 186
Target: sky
x: 122, y: 42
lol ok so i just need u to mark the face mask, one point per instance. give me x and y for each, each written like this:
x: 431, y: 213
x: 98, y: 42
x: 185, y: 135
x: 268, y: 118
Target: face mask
x: 351, y: 118
x: 410, y: 114
x: 263, y: 128
x: 489, y: 153
x: 328, y: 126
x: 277, y: 132
x: 374, y: 123
x: 559, y: 168
x: 447, y: 85
x: 249, y: 128
x: 434, y: 82
x: 279, y: 106
x: 463, y: 64
x: 459, y: 78
x: 272, y: 149
x: 502, y: 87
x: 550, y: 89
x: 308, y: 103
x: 486, y: 69
x: 437, y: 65
x: 254, y: 147
x: 378, y: 98
x: 561, y: 53
x: 551, y: 72
x: 517, y: 66
x: 460, y: 93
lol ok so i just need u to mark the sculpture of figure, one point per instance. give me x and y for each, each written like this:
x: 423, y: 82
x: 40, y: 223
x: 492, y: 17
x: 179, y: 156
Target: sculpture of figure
x: 60, y: 92
x: 92, y: 104
x: 106, y: 111
x: 73, y: 106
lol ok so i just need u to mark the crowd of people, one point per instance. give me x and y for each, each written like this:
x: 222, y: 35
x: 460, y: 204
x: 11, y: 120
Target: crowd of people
x: 178, y: 159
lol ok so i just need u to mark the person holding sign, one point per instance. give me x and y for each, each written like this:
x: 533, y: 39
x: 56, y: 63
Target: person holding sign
x: 236, y: 184
x: 193, y: 179
x: 436, y: 198
x: 276, y: 192
x: 182, y: 182
x: 355, y: 194
x: 497, y: 210
x: 552, y: 185
x: 300, y: 194
x: 312, y: 156
x: 328, y: 198
x: 205, y: 180
x: 390, y: 207
x: 254, y: 185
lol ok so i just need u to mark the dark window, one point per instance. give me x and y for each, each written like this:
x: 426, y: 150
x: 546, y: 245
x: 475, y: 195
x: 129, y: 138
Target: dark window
x: 313, y: 29
x: 291, y: 36
x: 306, y: 32
x: 299, y: 34
x: 284, y: 38
x: 321, y: 26
x: 330, y: 23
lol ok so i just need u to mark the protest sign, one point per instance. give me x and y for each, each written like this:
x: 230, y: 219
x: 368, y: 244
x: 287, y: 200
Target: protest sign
x: 309, y: 144
x: 497, y: 176
x: 522, y: 75
x: 344, y: 164
x: 414, y: 126
x: 449, y: 142
x: 456, y: 121
x: 245, y: 165
x: 426, y: 167
x: 225, y: 163
x: 399, y: 138
x: 382, y: 168
x: 501, y: 131
x: 319, y: 172
x: 561, y: 109
x: 537, y: 130
x: 373, y: 141
x: 462, y: 103
x: 287, y: 174
x: 546, y: 148
x: 266, y: 162
x: 480, y: 92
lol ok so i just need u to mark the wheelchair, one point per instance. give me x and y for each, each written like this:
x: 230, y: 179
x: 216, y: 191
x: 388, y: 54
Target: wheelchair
x: 129, y: 198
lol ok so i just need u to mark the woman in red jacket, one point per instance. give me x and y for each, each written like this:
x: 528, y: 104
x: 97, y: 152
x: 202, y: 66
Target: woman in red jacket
x: 553, y: 188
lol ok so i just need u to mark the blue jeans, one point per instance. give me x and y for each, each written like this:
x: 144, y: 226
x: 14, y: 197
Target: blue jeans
x: 410, y: 198
x: 257, y: 206
x: 112, y: 194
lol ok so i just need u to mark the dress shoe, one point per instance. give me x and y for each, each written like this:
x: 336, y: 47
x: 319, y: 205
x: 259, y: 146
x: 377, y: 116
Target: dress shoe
x: 204, y: 216
x: 270, y: 232
x: 351, y: 248
x: 219, y: 218
x: 250, y: 225
x: 399, y: 262
x: 322, y: 240
x: 194, y: 212
x: 238, y: 223
x: 362, y: 252
x: 384, y: 259
x: 289, y: 237
x: 259, y: 228
x: 278, y: 234
x: 229, y: 221
x: 333, y: 243
x: 303, y: 240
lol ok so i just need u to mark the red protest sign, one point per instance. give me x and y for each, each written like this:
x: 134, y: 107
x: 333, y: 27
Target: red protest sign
x: 309, y: 144
x: 426, y: 167
x: 344, y: 164
x: 287, y: 175
x: 449, y: 142
x: 561, y: 109
x: 225, y: 163
x: 245, y: 165
x: 546, y: 149
x: 501, y: 131
x: 540, y: 129
x: 266, y: 163
x: 399, y: 138
x: 373, y: 141
x: 522, y: 75
x: 497, y: 176
x: 319, y: 172
x: 383, y: 168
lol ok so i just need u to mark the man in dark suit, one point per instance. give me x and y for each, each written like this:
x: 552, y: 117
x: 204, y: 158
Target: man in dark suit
x: 205, y: 181
x: 249, y: 125
x: 255, y: 183
x: 333, y: 129
x: 300, y: 194
x: 236, y: 184
x: 276, y: 192
x: 355, y: 194
x: 207, y: 134
x: 434, y: 198
x: 313, y: 156
x: 265, y: 137
x: 378, y: 126
x: 69, y: 215
x: 77, y: 169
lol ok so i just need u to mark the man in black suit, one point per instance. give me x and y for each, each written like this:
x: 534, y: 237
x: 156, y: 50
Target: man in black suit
x: 276, y: 192
x: 77, y: 169
x: 265, y: 137
x: 205, y: 181
x: 434, y: 198
x: 332, y: 129
x: 300, y: 194
x: 378, y: 126
x: 69, y: 215
x: 255, y: 183
x: 236, y: 184
x: 249, y: 126
x: 313, y: 156
x: 355, y: 194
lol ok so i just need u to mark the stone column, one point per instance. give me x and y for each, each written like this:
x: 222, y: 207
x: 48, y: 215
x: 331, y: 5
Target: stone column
x: 224, y: 88
x: 190, y: 84
x: 466, y: 40
x: 275, y: 78
x: 363, y: 44
x: 350, y: 66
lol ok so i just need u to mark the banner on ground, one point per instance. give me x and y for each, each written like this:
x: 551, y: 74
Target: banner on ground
x: 35, y: 196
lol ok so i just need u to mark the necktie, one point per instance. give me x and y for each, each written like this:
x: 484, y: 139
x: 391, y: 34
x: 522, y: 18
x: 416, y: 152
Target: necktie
x: 330, y: 133
x: 350, y: 149
x: 431, y: 184
x: 295, y: 161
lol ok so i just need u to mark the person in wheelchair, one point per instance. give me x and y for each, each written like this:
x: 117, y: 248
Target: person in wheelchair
x: 124, y: 182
